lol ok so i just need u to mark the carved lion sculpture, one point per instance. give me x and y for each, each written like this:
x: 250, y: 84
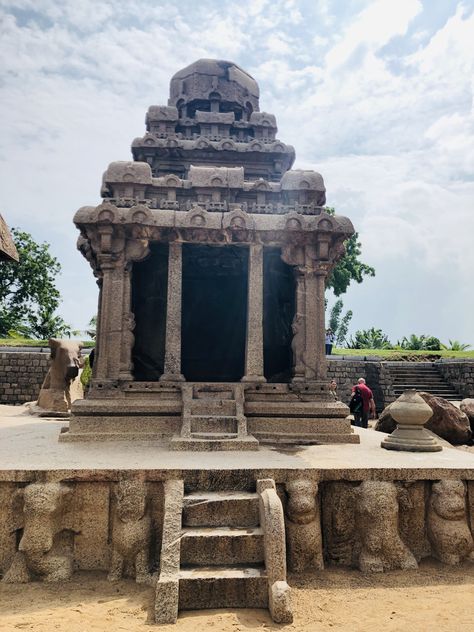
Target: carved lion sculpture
x: 45, y: 550
x: 131, y: 531
x: 377, y: 524
x: 61, y: 385
x: 303, y: 526
x: 448, y: 532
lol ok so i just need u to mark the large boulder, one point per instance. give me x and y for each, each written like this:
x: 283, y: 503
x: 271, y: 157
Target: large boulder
x: 467, y: 407
x: 448, y: 422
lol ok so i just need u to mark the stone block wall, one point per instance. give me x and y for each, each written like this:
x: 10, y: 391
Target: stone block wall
x: 376, y: 374
x: 459, y: 373
x: 21, y: 375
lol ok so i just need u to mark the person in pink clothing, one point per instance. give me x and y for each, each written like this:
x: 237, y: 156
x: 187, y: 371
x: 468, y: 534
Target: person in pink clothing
x: 366, y: 406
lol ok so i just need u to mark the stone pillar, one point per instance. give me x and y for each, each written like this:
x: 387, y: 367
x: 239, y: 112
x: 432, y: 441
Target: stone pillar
x: 298, y: 327
x: 172, y: 370
x: 111, y: 314
x: 254, y: 340
x: 311, y: 323
x: 321, y: 363
x: 128, y: 320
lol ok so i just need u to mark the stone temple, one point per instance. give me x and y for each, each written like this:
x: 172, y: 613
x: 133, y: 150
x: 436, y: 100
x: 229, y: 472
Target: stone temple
x: 211, y: 255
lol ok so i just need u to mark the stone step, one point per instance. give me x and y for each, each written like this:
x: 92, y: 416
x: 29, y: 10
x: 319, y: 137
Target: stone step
x: 300, y: 425
x: 221, y: 509
x: 213, y: 423
x: 207, y: 443
x: 212, y: 391
x: 215, y: 546
x: 301, y: 439
x: 313, y: 409
x: 223, y: 587
x: 214, y: 436
x: 423, y: 386
x: 224, y: 407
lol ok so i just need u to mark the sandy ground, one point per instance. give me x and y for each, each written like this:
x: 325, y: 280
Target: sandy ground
x: 435, y: 597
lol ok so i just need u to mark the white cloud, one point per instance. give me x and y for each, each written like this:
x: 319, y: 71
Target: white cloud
x: 391, y: 128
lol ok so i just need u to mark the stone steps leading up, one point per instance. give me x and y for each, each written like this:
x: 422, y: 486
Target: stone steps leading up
x: 213, y: 419
x: 222, y: 549
x: 421, y: 377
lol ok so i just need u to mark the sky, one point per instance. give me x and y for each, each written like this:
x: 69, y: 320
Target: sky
x: 376, y: 95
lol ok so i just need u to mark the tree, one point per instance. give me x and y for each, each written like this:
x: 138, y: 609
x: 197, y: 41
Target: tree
x: 349, y: 267
x: 28, y: 294
x: 338, y: 323
x: 455, y: 345
x: 424, y: 343
x: 369, y: 339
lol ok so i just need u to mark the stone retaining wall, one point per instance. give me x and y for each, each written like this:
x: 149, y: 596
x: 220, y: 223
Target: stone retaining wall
x: 459, y: 373
x: 21, y: 375
x: 376, y: 374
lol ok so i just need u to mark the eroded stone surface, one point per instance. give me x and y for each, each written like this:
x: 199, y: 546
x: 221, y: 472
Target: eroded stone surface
x: 341, y: 540
x: 467, y: 407
x: 448, y: 531
x: 61, y: 385
x: 131, y: 531
x: 303, y: 526
x: 45, y: 548
x: 382, y: 548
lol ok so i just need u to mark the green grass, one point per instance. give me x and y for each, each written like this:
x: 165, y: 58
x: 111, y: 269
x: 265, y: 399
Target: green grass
x: 23, y: 342
x: 396, y: 354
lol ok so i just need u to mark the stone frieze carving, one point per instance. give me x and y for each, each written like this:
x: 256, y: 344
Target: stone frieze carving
x: 377, y: 524
x: 303, y: 526
x: 45, y: 548
x: 131, y: 531
x: 448, y: 531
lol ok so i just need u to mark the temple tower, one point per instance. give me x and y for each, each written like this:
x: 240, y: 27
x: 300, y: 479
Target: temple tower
x: 211, y: 256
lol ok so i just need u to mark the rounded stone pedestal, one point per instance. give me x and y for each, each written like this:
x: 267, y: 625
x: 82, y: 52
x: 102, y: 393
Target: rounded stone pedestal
x: 411, y: 412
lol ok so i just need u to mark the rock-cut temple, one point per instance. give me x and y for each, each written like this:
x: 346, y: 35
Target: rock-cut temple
x: 211, y: 255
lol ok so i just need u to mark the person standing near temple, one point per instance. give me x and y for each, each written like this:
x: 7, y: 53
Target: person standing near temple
x: 362, y: 403
x: 330, y: 338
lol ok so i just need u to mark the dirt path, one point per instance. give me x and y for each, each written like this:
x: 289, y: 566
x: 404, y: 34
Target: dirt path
x: 435, y: 597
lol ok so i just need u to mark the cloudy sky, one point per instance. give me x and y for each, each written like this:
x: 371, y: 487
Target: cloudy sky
x: 374, y: 94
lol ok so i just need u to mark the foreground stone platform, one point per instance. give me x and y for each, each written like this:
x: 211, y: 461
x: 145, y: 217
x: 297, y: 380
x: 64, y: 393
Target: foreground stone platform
x: 219, y: 529
x: 29, y: 445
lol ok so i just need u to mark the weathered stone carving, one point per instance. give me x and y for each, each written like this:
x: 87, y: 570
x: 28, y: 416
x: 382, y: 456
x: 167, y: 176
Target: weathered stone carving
x: 339, y: 527
x: 448, y: 531
x: 45, y: 548
x: 131, y: 531
x: 303, y: 526
x: 61, y: 385
x: 412, y: 524
x: 377, y: 525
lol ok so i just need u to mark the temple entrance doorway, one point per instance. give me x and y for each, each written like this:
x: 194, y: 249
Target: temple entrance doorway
x: 278, y: 313
x: 149, y: 288
x: 214, y: 312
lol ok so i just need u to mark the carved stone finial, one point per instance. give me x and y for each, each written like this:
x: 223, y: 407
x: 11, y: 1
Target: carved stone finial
x: 411, y: 413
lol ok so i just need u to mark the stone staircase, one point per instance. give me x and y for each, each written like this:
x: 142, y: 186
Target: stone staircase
x: 422, y: 376
x: 227, y: 550
x: 213, y: 419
